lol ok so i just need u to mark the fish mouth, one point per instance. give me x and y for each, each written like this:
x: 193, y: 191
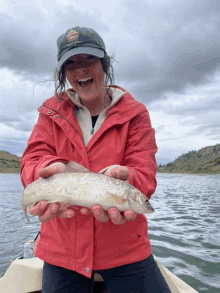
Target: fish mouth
x: 139, y: 203
x: 145, y: 205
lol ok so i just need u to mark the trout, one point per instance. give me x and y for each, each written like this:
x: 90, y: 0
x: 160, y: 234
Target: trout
x: 85, y: 189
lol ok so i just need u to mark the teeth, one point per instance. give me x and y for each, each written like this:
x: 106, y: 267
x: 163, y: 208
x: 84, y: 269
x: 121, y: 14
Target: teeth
x: 84, y: 79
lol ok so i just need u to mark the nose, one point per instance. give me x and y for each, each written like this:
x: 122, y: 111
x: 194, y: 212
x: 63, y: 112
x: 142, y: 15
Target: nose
x: 82, y: 69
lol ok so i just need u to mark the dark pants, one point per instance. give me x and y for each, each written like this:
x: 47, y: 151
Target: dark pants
x: 140, y: 277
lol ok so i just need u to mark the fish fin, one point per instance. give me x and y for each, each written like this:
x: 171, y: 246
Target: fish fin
x: 63, y: 204
x: 26, y: 214
x: 63, y: 201
x: 75, y: 167
x: 116, y: 198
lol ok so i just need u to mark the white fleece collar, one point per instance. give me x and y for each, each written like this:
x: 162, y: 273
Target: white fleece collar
x: 116, y: 95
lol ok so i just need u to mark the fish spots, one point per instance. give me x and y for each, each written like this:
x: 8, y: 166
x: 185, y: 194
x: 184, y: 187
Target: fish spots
x: 67, y: 191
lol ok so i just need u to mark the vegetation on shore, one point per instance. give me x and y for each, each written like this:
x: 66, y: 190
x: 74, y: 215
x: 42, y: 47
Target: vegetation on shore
x: 9, y: 163
x: 203, y: 161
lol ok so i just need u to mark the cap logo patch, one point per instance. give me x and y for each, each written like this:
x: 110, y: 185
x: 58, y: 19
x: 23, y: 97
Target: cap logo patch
x: 73, y: 35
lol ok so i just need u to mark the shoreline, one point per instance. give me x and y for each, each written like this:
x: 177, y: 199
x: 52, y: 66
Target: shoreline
x: 9, y: 172
x: 187, y: 173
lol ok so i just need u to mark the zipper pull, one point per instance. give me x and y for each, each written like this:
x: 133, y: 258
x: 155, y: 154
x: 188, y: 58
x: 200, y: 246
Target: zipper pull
x: 92, y: 131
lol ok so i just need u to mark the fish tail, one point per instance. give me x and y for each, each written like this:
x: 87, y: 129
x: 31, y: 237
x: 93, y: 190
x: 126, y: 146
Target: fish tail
x: 26, y: 211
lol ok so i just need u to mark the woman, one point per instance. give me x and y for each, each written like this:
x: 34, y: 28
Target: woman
x: 104, y: 129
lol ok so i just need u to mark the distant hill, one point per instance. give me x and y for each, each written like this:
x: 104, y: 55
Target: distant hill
x: 9, y: 163
x: 203, y: 161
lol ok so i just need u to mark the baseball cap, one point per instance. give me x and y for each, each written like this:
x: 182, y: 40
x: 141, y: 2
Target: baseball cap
x: 79, y: 40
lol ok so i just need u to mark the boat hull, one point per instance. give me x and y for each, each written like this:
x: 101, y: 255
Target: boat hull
x: 25, y: 275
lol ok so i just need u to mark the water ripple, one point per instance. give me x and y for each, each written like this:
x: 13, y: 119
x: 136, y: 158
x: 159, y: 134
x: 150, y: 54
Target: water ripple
x: 184, y: 230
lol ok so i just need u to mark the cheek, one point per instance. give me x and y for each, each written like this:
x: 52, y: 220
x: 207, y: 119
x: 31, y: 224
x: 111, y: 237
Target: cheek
x: 101, y: 77
x: 71, y: 78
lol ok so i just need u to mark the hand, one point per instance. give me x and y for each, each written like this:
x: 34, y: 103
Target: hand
x: 47, y: 211
x: 117, y: 218
x: 51, y: 170
x: 119, y: 172
x: 42, y: 209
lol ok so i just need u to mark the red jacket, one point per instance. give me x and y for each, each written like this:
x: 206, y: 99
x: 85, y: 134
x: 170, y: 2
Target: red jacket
x: 126, y: 138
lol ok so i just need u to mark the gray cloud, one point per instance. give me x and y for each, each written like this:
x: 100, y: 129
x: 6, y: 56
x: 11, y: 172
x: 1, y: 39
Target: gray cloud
x: 178, y: 44
x: 29, y: 39
x: 172, y: 44
x: 161, y: 47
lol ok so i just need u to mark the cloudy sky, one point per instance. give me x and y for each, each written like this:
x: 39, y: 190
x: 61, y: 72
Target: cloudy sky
x: 167, y: 55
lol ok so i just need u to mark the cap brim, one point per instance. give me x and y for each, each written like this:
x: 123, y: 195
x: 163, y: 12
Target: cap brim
x: 80, y: 50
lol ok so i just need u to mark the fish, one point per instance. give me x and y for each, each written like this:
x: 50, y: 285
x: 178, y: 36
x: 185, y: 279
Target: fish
x: 77, y: 186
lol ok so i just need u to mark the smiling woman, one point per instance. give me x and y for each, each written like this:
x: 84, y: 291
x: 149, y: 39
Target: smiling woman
x: 86, y: 76
x: 60, y: 76
x: 102, y: 127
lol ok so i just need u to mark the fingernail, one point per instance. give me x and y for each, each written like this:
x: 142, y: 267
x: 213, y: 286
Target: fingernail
x: 114, y: 214
x: 42, y: 205
x: 70, y: 214
x: 54, y: 209
x: 96, y: 212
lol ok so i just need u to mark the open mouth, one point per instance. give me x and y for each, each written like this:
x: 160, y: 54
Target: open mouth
x: 84, y: 82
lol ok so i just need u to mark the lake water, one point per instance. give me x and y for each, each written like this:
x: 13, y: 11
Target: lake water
x: 184, y: 230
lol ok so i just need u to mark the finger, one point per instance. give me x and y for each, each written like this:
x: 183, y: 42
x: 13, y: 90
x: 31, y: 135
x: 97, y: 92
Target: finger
x: 51, y: 170
x: 38, y: 208
x: 119, y: 172
x: 99, y: 213
x: 123, y: 173
x: 130, y: 215
x: 113, y: 173
x: 68, y: 213
x: 46, y: 172
x: 55, y: 207
x: 116, y: 216
x: 85, y: 211
x: 64, y: 205
x: 48, y: 214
